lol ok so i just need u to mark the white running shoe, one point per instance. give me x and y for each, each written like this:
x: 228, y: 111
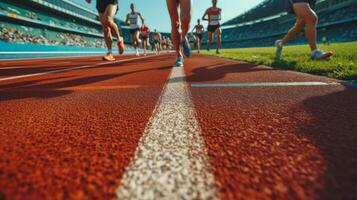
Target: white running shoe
x: 279, y: 49
x: 318, y: 54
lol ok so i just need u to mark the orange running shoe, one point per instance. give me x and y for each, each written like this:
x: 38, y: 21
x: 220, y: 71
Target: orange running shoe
x: 109, y: 57
x: 121, y: 46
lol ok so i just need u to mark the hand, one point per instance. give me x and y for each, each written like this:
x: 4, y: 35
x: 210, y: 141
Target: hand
x: 88, y: 1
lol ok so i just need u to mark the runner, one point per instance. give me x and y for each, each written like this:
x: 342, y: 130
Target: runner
x: 169, y: 45
x: 199, y: 29
x: 107, y: 10
x: 214, y: 17
x: 132, y: 20
x: 145, y: 32
x: 192, y: 40
x: 163, y: 43
x: 182, y: 20
x: 306, y: 19
x: 156, y: 37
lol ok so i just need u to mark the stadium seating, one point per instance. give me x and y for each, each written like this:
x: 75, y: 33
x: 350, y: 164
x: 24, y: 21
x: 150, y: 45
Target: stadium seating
x: 26, y: 22
x: 269, y: 21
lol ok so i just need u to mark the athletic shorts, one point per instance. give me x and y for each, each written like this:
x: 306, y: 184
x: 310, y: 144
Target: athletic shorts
x: 213, y: 28
x: 156, y: 42
x: 199, y: 35
x: 134, y: 30
x: 292, y: 2
x: 144, y: 37
x: 103, y: 4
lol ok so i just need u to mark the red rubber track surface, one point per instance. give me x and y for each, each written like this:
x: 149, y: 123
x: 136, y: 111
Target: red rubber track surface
x: 296, y: 142
x: 70, y: 135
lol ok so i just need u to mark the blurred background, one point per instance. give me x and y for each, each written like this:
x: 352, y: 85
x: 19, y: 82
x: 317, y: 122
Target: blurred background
x: 72, y: 26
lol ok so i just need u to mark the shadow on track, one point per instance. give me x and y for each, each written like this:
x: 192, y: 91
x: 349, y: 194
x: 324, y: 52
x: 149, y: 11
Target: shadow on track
x: 219, y: 71
x: 49, y: 90
x: 333, y: 130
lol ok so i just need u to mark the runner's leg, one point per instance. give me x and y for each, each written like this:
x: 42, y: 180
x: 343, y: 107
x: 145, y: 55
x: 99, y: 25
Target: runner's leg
x: 185, y: 16
x: 218, y: 34
x: 107, y: 32
x: 109, y: 18
x: 210, y: 39
x: 296, y: 29
x: 172, y: 6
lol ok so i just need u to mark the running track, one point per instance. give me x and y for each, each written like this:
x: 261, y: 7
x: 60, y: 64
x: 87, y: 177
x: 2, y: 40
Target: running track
x: 78, y: 128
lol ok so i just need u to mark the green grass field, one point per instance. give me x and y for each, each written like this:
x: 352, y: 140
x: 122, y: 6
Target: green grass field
x: 343, y: 65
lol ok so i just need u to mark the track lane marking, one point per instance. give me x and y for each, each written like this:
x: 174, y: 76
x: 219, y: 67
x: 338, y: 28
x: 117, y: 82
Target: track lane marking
x: 79, y: 88
x: 170, y: 161
x: 71, y: 69
x: 263, y: 84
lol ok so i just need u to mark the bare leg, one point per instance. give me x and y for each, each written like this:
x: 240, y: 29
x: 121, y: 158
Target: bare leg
x: 307, y: 18
x: 185, y: 16
x: 107, y: 32
x: 210, y: 39
x: 145, y: 45
x: 109, y: 18
x: 198, y: 44
x: 296, y: 29
x: 172, y: 6
x: 218, y: 33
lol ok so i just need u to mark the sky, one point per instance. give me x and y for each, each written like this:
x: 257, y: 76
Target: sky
x: 157, y: 17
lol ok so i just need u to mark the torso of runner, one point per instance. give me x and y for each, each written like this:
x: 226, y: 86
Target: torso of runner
x: 133, y: 20
x: 214, y: 15
x: 145, y: 31
x: 156, y: 36
x: 199, y: 29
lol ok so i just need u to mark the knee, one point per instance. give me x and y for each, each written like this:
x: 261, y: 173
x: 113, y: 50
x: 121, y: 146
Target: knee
x: 109, y: 21
x: 185, y: 20
x: 175, y: 24
x: 107, y: 30
x: 311, y: 19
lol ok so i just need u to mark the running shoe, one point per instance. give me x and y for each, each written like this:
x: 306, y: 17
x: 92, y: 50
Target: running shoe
x: 217, y: 51
x: 109, y: 57
x: 318, y: 54
x: 208, y: 47
x: 179, y: 62
x: 121, y: 45
x: 279, y: 49
x: 137, y: 53
x: 186, y: 47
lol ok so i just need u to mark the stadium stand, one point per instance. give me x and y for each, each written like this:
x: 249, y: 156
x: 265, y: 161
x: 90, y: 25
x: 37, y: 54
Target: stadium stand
x: 269, y: 21
x: 51, y: 22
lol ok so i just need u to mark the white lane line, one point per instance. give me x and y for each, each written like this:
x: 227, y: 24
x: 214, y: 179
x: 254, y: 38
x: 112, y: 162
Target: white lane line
x: 263, y: 84
x: 71, y: 69
x: 170, y: 161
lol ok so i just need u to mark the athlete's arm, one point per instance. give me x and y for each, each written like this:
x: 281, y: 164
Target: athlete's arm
x: 195, y: 27
x: 127, y: 19
x: 220, y: 14
x: 141, y: 18
x: 205, y: 16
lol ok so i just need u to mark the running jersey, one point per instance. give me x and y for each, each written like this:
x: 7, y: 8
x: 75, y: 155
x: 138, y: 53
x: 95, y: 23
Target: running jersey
x: 145, y: 31
x: 133, y: 20
x: 156, y: 36
x: 214, y: 16
x: 199, y: 29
